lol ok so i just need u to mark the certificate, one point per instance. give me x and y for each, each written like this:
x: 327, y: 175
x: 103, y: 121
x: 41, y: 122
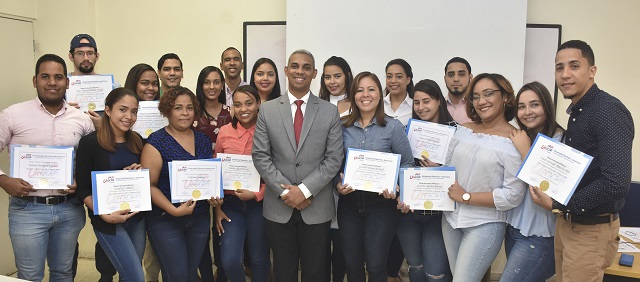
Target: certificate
x: 89, y: 91
x: 371, y: 171
x: 238, y: 172
x: 429, y: 139
x: 116, y: 190
x: 426, y: 188
x: 554, y: 167
x: 149, y: 119
x: 44, y: 167
x: 195, y: 180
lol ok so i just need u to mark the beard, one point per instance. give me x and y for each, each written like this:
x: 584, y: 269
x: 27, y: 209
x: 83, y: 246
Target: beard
x: 86, y: 69
x: 457, y: 93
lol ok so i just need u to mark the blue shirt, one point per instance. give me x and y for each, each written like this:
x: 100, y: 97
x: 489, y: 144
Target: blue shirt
x: 390, y: 138
x: 602, y: 127
x: 532, y: 219
x: 171, y: 150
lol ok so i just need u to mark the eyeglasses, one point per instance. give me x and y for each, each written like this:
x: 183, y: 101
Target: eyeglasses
x: 487, y: 95
x: 82, y: 53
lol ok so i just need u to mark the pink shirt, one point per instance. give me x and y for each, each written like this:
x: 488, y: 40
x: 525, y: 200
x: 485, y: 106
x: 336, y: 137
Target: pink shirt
x: 237, y: 141
x: 29, y: 123
x: 458, y: 111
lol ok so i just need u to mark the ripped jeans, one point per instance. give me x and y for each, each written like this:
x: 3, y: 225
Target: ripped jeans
x: 529, y: 258
x: 421, y: 240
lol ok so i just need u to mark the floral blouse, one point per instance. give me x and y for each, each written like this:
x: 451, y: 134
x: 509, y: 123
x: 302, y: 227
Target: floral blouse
x: 211, y: 126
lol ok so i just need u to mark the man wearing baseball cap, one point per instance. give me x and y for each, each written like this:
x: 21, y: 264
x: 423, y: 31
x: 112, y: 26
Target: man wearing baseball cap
x: 83, y: 52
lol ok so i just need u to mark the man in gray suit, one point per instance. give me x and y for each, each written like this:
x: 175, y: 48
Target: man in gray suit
x: 297, y: 148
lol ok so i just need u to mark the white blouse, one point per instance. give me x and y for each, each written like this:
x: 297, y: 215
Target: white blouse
x: 484, y: 163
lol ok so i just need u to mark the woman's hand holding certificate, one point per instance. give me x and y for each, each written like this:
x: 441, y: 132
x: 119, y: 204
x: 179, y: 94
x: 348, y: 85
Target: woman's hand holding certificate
x: 238, y: 172
x: 195, y: 180
x: 554, y: 167
x: 429, y: 140
x: 427, y: 188
x: 120, y: 190
x: 371, y: 171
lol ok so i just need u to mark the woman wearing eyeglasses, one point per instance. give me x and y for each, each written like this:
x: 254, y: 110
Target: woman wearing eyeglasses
x: 486, y: 163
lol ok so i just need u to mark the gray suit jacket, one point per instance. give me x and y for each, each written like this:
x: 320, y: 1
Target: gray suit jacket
x: 315, y: 162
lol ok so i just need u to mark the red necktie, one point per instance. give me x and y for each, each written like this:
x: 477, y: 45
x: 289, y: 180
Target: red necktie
x: 297, y: 121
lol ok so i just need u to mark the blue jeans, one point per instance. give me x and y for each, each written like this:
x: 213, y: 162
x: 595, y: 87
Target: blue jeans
x: 178, y: 243
x: 421, y: 240
x: 471, y: 250
x: 40, y: 232
x: 246, y: 222
x: 529, y: 258
x: 367, y: 225
x: 125, y: 248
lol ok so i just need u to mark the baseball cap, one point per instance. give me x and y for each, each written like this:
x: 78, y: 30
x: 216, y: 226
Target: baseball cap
x: 75, y: 42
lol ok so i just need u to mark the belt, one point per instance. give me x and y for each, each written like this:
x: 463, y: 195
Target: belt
x: 47, y: 200
x: 429, y: 212
x: 590, y: 219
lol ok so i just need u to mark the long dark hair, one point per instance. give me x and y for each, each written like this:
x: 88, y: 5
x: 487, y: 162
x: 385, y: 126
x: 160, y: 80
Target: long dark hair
x: 433, y: 90
x: 134, y: 76
x: 346, y: 69
x: 105, y: 134
x: 222, y: 98
x: 275, y: 92
x: 551, y: 126
x: 355, y: 114
x: 249, y: 90
x: 407, y: 70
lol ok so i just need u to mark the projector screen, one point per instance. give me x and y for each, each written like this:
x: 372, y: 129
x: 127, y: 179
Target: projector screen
x: 426, y: 33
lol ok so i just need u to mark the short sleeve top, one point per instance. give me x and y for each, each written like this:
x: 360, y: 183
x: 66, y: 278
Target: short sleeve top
x: 171, y: 150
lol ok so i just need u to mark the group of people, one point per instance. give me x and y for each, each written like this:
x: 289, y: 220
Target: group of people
x: 304, y: 214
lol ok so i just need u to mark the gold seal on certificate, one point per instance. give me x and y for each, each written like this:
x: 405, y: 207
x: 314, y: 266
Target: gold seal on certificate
x: 125, y: 206
x: 148, y: 132
x: 428, y: 205
x: 237, y: 185
x: 544, y: 185
x: 43, y: 183
x: 91, y: 106
x: 196, y: 194
x: 367, y: 185
x: 424, y: 154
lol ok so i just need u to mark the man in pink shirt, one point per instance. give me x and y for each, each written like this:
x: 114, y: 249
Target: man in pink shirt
x: 44, y: 224
x: 457, y: 75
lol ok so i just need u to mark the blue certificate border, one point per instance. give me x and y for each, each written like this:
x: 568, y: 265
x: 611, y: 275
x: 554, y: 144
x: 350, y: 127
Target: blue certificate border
x: 589, y: 159
x: 12, y: 154
x: 349, y: 150
x: 170, y: 164
x: 94, y: 185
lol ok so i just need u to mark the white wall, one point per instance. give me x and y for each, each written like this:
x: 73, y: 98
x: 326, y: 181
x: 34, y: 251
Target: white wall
x: 130, y: 32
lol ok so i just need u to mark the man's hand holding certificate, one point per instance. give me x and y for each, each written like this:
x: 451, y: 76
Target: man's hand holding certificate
x: 195, y: 180
x: 120, y: 190
x: 371, y: 171
x: 89, y: 91
x: 429, y: 139
x: 44, y: 167
x: 426, y: 188
x: 238, y: 172
x: 149, y: 119
x: 554, y: 167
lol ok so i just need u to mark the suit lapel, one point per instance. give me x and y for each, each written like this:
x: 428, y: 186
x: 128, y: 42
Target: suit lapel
x: 309, y: 115
x: 287, y: 120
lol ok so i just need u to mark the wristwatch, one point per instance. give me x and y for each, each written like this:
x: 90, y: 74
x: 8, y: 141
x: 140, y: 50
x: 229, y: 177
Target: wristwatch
x: 466, y: 197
